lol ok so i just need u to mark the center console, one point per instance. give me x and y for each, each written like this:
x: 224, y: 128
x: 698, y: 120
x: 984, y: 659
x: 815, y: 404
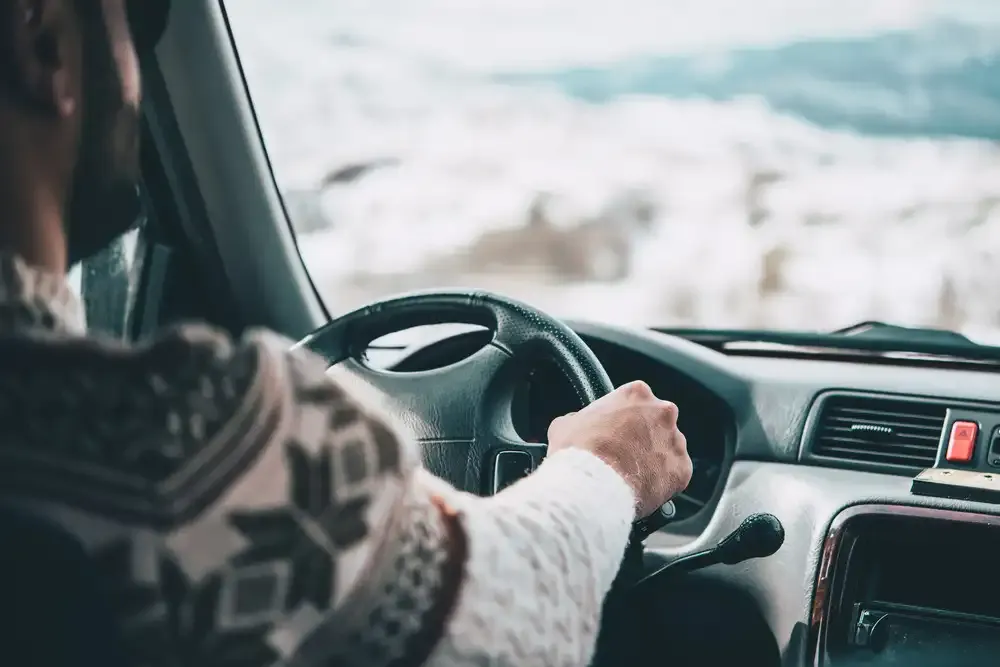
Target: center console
x: 908, y: 586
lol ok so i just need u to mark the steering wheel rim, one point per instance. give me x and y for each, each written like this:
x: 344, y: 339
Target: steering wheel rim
x: 460, y: 413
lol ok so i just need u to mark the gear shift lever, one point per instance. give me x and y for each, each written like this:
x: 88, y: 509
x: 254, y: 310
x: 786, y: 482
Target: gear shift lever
x: 625, y: 629
x: 759, y: 536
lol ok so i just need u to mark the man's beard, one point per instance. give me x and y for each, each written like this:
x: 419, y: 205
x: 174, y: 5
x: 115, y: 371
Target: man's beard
x: 104, y: 201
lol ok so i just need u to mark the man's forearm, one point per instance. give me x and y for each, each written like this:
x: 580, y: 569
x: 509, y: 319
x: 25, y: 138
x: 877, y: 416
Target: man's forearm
x: 516, y: 579
x: 541, y: 557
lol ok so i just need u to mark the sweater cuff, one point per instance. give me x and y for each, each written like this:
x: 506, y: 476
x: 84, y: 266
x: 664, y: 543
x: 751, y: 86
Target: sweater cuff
x: 397, y: 615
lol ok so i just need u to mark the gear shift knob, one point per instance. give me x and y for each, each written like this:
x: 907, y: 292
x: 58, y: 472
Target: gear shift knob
x: 759, y: 535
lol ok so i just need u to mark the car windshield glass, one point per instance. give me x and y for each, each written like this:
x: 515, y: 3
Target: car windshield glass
x: 766, y: 164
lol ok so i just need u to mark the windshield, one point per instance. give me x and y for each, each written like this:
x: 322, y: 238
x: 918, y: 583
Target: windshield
x: 767, y: 164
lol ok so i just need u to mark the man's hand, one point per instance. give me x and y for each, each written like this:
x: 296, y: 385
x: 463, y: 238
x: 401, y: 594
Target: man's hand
x: 635, y: 433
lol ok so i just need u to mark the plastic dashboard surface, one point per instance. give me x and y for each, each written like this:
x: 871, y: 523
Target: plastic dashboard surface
x: 769, y: 400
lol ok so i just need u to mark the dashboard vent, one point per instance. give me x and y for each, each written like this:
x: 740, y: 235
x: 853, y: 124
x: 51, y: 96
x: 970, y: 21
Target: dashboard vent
x: 880, y: 430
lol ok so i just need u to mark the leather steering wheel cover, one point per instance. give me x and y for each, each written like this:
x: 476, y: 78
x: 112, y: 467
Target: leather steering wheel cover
x: 517, y: 328
x: 521, y: 327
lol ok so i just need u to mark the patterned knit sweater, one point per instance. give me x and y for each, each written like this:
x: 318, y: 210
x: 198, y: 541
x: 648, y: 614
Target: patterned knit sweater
x: 247, y: 509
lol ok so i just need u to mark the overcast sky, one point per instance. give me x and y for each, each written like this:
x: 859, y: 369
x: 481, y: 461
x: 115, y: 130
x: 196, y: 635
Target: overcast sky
x: 505, y: 34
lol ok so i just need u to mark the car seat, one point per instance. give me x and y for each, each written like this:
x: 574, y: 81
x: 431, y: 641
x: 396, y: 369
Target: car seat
x: 54, y: 613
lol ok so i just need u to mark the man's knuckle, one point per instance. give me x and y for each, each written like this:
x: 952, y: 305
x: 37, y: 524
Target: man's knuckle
x: 557, y: 421
x: 637, y: 388
x: 680, y: 442
x: 687, y: 469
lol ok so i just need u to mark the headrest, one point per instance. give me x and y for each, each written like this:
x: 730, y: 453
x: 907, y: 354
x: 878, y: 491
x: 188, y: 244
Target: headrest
x: 147, y: 20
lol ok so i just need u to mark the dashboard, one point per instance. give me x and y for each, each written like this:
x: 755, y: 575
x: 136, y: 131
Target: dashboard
x: 820, y: 444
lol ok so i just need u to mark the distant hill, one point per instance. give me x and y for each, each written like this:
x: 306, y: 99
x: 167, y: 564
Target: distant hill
x: 939, y: 80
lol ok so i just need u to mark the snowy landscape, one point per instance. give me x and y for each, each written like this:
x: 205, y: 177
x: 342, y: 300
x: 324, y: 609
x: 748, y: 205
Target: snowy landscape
x: 789, y: 164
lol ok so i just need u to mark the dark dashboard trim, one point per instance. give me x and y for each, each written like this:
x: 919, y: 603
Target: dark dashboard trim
x: 839, y: 537
x: 847, y: 347
x: 854, y: 356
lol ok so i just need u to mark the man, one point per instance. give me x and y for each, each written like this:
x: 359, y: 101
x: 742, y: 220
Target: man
x: 237, y: 545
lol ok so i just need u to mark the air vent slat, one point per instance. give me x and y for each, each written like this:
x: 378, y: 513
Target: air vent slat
x: 863, y: 444
x: 910, y: 418
x: 848, y: 421
x: 879, y: 430
x: 878, y: 457
x: 903, y: 438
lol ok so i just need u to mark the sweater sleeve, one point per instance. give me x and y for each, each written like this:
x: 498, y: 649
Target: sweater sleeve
x: 450, y: 579
x: 245, y: 507
x: 516, y: 579
x: 541, y: 557
x: 447, y: 579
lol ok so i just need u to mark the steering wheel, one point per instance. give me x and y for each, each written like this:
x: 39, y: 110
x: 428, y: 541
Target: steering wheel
x: 460, y: 413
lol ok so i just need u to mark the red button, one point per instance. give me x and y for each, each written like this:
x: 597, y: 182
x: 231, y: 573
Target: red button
x: 962, y: 443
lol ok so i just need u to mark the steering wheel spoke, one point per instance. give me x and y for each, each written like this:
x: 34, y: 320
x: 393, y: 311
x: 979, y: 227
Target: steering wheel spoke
x: 438, y: 404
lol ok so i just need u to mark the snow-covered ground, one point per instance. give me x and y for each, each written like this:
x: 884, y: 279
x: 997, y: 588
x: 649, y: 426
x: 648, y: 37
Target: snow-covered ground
x: 762, y: 219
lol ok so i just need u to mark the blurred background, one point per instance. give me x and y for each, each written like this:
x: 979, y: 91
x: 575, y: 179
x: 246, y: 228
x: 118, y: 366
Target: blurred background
x: 779, y: 164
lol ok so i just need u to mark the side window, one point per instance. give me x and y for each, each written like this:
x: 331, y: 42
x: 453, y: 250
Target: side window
x: 107, y: 284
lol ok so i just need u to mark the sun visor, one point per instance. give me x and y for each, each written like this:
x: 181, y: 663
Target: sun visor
x: 147, y: 20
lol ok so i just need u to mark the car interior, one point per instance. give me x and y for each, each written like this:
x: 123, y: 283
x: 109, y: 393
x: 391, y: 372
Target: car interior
x: 843, y: 509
